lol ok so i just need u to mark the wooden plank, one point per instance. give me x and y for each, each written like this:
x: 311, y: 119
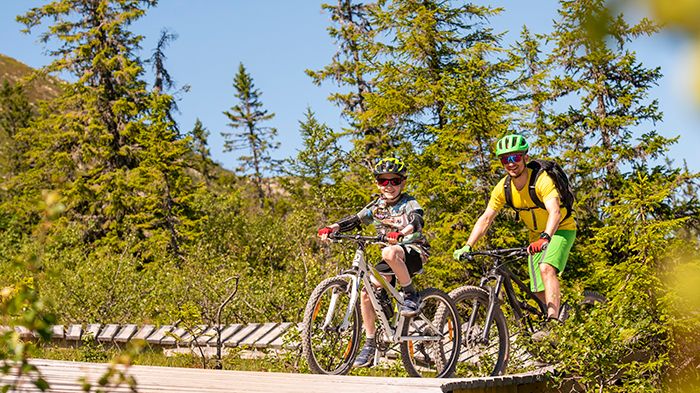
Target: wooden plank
x: 256, y: 338
x: 159, y: 334
x: 144, y: 332
x: 174, y: 337
x: 278, y: 341
x: 205, y: 337
x: 108, y: 332
x: 187, y: 338
x: 93, y: 330
x: 226, y: 334
x: 58, y: 332
x: 125, y: 333
x: 65, y: 376
x: 271, y: 337
x: 74, y: 333
x: 240, y: 335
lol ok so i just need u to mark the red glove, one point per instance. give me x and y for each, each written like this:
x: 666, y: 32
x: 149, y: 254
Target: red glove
x: 393, y: 237
x: 325, y: 231
x: 537, y: 246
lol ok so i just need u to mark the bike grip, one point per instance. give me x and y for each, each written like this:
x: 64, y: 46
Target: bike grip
x: 467, y: 256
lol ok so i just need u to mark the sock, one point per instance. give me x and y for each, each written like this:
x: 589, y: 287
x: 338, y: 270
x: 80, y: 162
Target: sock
x: 409, y: 288
x: 370, y: 342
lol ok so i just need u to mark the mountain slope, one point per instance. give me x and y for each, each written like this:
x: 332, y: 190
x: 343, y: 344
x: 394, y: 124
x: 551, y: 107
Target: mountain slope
x: 41, y: 88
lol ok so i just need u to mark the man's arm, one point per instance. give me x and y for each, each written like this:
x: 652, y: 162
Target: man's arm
x: 552, y: 205
x: 482, y: 225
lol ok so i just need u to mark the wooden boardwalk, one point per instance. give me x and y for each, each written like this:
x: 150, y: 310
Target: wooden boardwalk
x: 64, y: 376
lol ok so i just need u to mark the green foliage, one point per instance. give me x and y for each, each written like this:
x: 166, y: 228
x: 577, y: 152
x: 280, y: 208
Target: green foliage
x: 108, y: 214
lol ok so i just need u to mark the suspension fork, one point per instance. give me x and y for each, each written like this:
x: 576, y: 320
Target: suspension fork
x: 493, y: 303
x: 355, y: 280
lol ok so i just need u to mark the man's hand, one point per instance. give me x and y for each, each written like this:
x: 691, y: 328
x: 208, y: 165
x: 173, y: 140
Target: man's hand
x: 324, y: 232
x: 458, y: 253
x: 537, y: 246
x: 393, y: 237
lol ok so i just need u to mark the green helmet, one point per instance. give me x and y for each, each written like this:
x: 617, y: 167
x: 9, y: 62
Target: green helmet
x: 512, y: 143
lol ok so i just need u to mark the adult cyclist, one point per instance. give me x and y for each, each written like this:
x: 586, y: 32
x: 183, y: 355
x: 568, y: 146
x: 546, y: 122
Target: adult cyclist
x: 551, y: 231
x: 399, y: 218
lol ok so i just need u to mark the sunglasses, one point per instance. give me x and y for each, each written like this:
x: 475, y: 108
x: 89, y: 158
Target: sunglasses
x: 511, y: 158
x: 394, y: 181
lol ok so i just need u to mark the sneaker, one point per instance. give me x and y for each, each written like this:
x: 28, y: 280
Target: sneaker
x: 545, y: 333
x: 366, y: 356
x: 411, y: 304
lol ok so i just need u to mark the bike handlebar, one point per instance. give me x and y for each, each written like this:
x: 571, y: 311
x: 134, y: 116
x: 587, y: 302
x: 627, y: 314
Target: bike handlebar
x: 498, y: 253
x: 357, y: 238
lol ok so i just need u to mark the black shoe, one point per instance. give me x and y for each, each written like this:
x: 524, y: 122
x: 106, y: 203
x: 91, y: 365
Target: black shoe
x: 366, y: 356
x: 411, y: 304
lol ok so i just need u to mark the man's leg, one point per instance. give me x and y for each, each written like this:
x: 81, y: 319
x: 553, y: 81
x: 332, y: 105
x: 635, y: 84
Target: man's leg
x: 551, y: 296
x: 545, y: 267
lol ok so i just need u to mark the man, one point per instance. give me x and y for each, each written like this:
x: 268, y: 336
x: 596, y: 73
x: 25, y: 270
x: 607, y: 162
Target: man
x: 399, y: 218
x: 552, y: 230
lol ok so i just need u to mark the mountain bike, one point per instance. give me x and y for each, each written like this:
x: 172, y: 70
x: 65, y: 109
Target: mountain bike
x: 492, y: 332
x: 332, y: 322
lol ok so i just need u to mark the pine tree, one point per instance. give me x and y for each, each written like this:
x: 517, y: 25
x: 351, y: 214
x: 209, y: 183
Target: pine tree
x: 15, y: 114
x: 257, y: 140
x: 610, y: 88
x: 353, y: 33
x: 107, y: 143
x: 204, y: 164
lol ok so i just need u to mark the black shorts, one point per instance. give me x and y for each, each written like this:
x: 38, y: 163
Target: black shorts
x: 413, y: 261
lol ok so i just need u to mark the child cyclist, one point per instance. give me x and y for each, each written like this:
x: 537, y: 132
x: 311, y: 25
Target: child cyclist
x: 399, y: 218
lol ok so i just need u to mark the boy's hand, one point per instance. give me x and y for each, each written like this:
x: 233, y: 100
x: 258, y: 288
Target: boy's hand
x: 393, y: 237
x: 324, y: 232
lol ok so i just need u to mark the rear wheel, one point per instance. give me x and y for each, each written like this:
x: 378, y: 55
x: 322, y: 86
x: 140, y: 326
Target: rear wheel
x: 329, y: 340
x: 430, y: 345
x: 480, y: 356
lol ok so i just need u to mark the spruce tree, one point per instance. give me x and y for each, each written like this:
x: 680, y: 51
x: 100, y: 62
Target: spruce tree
x: 200, y: 146
x: 609, y: 89
x: 350, y: 67
x: 107, y: 143
x: 15, y: 114
x: 247, y: 117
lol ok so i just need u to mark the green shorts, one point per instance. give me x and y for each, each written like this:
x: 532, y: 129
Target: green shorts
x: 556, y: 254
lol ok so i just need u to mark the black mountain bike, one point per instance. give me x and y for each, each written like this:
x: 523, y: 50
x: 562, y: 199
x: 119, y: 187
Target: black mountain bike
x: 496, y: 318
x: 332, y: 323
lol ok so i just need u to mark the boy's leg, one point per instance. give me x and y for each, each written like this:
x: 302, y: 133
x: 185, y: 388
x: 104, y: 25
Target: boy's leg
x: 395, y: 257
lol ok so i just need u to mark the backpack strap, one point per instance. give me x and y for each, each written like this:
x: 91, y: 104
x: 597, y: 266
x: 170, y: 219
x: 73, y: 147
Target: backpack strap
x: 536, y: 168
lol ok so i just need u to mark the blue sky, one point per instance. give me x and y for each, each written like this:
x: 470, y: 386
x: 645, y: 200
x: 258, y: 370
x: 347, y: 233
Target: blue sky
x: 277, y: 40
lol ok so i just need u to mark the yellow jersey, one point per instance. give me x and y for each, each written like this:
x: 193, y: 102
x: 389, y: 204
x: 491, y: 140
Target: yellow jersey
x: 535, y: 219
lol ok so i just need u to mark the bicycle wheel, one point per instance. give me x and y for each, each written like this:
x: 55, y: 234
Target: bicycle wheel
x: 479, y: 357
x: 329, y: 340
x: 430, y: 343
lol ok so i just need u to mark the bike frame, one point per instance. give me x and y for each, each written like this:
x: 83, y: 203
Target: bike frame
x: 504, y: 278
x: 360, y: 274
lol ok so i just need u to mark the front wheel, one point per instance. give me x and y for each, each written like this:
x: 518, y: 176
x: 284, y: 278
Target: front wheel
x: 430, y: 340
x: 329, y: 339
x: 480, y: 356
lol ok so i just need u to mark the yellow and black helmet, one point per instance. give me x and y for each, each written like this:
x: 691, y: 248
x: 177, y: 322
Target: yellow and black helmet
x: 390, y: 165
